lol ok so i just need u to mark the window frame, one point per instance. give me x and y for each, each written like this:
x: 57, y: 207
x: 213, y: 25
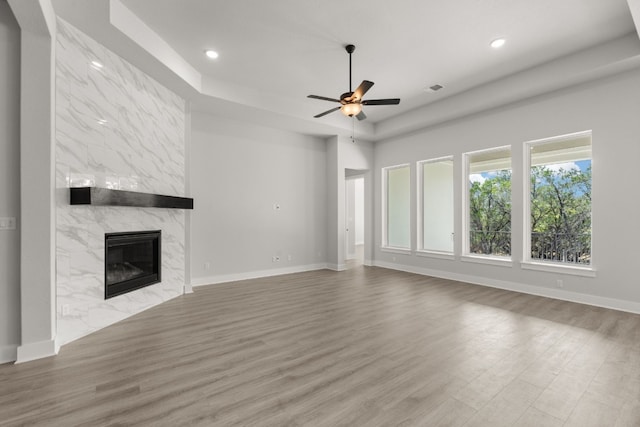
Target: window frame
x: 420, y: 249
x: 527, y: 262
x: 466, y: 254
x: 385, y: 247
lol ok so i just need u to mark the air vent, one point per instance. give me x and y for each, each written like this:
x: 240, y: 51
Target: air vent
x: 434, y: 88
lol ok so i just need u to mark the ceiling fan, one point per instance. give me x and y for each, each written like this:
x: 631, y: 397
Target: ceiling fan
x: 352, y: 102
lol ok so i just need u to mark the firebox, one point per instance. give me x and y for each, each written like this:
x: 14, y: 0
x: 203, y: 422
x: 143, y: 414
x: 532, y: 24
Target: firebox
x: 132, y: 261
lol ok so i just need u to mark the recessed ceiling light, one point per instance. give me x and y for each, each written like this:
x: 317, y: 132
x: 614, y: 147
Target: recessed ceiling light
x: 212, y: 54
x: 497, y: 43
x: 97, y: 65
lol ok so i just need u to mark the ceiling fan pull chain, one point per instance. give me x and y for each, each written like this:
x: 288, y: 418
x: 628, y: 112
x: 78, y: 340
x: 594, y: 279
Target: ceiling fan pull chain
x: 353, y: 129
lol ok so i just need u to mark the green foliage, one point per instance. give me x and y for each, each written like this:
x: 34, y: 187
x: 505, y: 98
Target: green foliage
x: 561, y: 214
x: 490, y: 215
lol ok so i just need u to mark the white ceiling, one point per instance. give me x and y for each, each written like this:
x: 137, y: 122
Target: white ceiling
x: 274, y: 53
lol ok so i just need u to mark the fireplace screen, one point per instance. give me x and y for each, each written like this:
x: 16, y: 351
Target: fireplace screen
x: 132, y: 261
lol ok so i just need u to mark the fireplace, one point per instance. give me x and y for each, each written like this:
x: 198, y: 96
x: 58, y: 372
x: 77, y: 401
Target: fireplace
x: 132, y: 261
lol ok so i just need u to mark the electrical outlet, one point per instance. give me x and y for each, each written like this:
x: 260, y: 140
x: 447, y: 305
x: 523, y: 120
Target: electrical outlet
x: 275, y: 258
x: 290, y: 257
x: 8, y: 223
x: 207, y: 266
x: 559, y: 283
x: 276, y: 206
x: 66, y: 309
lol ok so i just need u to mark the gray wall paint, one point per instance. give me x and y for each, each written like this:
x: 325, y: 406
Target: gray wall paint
x: 609, y: 107
x: 239, y: 171
x: 37, y: 175
x: 335, y: 179
x: 9, y: 182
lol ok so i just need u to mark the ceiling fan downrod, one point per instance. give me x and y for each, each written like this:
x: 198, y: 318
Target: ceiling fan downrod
x: 350, y: 48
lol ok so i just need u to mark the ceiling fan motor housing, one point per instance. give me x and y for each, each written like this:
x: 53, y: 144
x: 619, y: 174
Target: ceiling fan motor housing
x: 346, y: 98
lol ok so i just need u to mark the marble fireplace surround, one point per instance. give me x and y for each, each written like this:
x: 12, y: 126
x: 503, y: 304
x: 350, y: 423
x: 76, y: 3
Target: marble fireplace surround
x: 119, y: 129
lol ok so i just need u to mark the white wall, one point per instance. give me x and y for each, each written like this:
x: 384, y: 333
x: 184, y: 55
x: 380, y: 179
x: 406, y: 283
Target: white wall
x: 359, y: 210
x: 9, y: 183
x: 354, y: 214
x: 239, y: 173
x: 610, y: 107
x: 350, y: 217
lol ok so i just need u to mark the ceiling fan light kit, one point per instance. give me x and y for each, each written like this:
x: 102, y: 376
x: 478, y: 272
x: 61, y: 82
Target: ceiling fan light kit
x: 352, y: 101
x: 351, y: 109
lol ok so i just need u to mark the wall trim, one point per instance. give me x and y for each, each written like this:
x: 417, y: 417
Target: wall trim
x: 8, y: 353
x: 224, y: 278
x: 36, y: 350
x: 336, y: 267
x: 559, y: 294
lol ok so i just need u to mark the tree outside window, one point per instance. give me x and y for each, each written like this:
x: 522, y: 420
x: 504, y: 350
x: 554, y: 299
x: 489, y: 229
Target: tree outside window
x: 489, y: 202
x: 560, y: 200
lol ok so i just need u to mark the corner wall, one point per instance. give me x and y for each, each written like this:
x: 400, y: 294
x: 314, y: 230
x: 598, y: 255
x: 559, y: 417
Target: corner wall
x: 9, y: 183
x: 610, y: 107
x: 259, y: 193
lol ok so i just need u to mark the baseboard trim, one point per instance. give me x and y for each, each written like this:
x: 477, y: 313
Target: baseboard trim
x: 36, y: 350
x: 560, y: 294
x: 8, y: 353
x: 224, y: 278
x: 337, y: 267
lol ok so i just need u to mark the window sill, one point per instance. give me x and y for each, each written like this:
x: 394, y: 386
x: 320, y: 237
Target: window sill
x: 403, y: 251
x: 435, y: 254
x: 558, y: 268
x: 501, y: 262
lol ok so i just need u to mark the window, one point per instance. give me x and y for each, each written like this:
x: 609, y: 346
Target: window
x: 488, y: 203
x: 397, y: 207
x: 435, y: 206
x: 558, y: 200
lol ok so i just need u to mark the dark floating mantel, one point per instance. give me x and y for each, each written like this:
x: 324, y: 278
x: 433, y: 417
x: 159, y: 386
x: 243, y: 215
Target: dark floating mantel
x: 97, y: 196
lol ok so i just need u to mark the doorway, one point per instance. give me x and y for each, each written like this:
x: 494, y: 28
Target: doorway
x: 354, y: 219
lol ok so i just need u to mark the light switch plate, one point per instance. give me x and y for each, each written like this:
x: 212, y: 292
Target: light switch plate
x: 8, y: 223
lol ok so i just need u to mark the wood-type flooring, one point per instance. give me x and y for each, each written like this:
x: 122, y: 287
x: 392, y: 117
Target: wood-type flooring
x: 363, y: 347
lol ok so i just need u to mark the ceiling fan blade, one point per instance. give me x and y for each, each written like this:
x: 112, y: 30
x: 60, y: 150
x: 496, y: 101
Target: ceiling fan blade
x: 327, y: 112
x: 362, y: 89
x: 361, y: 115
x: 323, y: 98
x: 390, y: 101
